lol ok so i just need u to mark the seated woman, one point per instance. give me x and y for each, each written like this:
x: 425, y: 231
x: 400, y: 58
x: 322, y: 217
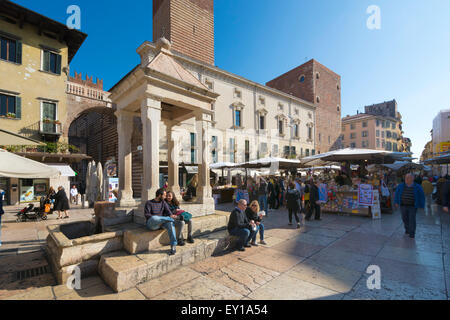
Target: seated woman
x: 174, y: 206
x: 252, y: 214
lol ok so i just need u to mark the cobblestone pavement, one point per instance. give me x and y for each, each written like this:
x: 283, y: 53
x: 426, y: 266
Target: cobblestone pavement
x: 325, y: 259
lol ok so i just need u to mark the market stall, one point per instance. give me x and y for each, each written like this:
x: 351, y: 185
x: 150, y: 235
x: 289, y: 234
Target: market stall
x: 358, y: 191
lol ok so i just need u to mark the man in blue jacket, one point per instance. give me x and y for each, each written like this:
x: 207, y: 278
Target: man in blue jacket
x: 409, y: 196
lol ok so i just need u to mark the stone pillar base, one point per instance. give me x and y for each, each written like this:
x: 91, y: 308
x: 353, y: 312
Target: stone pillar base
x: 126, y: 203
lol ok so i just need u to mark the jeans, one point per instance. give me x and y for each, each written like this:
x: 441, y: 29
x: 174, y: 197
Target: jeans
x: 156, y: 222
x: 409, y: 219
x: 259, y: 229
x: 429, y: 200
x: 263, y: 203
x: 0, y: 229
x: 179, y: 226
x: 295, y: 212
x: 316, y: 208
x: 244, y: 235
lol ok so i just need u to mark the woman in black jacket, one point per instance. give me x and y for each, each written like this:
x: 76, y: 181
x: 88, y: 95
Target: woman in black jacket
x: 293, y: 199
x: 61, y: 203
x: 252, y: 215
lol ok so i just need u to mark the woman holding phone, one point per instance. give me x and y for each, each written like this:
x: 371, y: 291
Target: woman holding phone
x: 253, y: 214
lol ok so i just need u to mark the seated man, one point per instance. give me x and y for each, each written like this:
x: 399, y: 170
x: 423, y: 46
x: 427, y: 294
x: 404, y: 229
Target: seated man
x: 158, y: 215
x: 239, y: 226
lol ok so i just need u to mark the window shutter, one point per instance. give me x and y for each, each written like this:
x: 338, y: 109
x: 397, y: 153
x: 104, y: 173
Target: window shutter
x: 19, y: 52
x: 18, y: 107
x: 58, y: 64
x: 46, y: 64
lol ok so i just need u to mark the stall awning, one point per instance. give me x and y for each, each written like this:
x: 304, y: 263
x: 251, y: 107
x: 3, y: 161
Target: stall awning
x: 14, y: 166
x: 65, y: 170
x: 8, y: 138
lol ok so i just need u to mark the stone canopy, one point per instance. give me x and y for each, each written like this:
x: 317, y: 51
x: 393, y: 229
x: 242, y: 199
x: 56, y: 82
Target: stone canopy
x: 160, y: 89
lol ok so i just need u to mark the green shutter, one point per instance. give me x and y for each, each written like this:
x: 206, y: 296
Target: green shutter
x: 19, y: 52
x: 58, y: 64
x: 18, y: 107
x: 46, y: 62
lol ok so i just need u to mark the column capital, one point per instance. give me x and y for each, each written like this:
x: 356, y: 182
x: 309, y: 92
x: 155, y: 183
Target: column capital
x: 151, y: 101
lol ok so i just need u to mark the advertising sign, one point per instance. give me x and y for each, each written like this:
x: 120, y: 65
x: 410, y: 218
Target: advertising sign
x: 365, y: 195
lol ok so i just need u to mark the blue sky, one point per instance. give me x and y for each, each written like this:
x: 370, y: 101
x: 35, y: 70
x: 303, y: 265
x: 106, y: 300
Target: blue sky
x: 408, y: 59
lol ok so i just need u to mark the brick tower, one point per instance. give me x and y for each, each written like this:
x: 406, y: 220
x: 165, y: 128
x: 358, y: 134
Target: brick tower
x: 188, y: 24
x: 317, y: 84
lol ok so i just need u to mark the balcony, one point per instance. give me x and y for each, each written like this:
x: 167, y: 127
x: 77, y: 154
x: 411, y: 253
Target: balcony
x: 50, y: 129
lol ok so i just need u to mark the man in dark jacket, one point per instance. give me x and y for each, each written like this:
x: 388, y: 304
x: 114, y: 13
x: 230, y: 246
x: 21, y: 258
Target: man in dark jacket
x: 294, y: 203
x: 314, y: 200
x: 446, y: 196
x: 239, y: 226
x: 409, y: 196
x: 158, y: 215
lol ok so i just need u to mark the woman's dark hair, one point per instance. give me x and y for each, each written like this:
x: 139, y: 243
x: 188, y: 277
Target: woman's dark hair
x: 174, y: 199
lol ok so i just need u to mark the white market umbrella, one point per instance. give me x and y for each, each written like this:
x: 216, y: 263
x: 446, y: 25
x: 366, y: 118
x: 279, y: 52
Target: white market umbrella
x: 100, y: 181
x: 14, y: 166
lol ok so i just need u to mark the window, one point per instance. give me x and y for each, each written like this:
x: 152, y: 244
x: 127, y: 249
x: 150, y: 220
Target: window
x: 352, y: 145
x: 233, y: 150
x: 307, y: 152
x: 378, y: 133
x: 318, y: 99
x: 293, y: 151
x: 49, y: 115
x: 237, y: 118
x: 302, y: 78
x: 287, y: 151
x: 214, y: 149
x: 51, y: 62
x: 338, y: 109
x: 10, y: 50
x: 317, y: 75
x: 388, y: 134
x: 193, y: 151
x: 275, y: 150
x: 378, y: 143
x: 262, y: 150
x: 296, y: 133
x: 395, y: 147
x: 394, y: 135
x: 310, y: 133
x: 353, y: 135
x: 393, y: 125
x: 10, y: 106
x: 364, y: 124
x: 262, y: 122
x: 365, y: 134
x: 365, y: 144
x: 378, y: 123
x: 382, y: 134
x: 388, y: 146
x: 280, y: 126
x: 247, y: 150
x: 313, y: 152
x: 383, y: 144
x: 352, y: 126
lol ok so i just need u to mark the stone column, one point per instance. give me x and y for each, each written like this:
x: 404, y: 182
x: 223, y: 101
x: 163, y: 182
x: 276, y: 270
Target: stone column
x: 204, y: 190
x: 151, y: 117
x: 173, y: 159
x: 125, y: 132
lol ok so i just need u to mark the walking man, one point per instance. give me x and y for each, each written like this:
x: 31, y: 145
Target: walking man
x: 262, y: 194
x: 74, y: 195
x: 409, y: 196
x: 314, y: 201
x: 158, y: 215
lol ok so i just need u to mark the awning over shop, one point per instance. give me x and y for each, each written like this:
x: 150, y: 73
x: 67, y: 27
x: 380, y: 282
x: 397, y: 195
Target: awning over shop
x: 358, y: 155
x: 65, y: 170
x: 279, y: 163
x: 8, y: 138
x: 442, y: 159
x: 14, y: 166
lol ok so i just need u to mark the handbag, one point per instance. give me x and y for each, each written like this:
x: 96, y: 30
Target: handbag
x: 186, y: 216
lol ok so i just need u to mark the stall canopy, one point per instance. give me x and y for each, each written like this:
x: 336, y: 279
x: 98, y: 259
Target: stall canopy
x: 349, y: 154
x: 405, y: 165
x: 442, y: 159
x: 222, y: 165
x: 279, y: 163
x: 12, y: 139
x: 14, y: 166
x: 66, y: 171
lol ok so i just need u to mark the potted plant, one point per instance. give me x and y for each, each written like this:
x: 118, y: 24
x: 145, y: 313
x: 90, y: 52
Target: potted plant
x: 11, y: 115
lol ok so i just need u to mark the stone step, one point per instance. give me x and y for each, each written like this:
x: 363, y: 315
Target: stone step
x: 122, y: 271
x: 139, y: 239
